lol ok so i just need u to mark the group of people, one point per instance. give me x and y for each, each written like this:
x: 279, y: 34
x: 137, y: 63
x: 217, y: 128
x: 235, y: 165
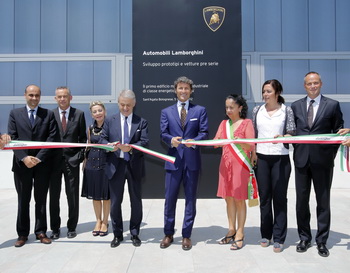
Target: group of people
x: 105, y: 172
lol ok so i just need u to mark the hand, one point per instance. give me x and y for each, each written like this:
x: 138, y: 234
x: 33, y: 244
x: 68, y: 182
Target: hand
x: 31, y: 161
x: 253, y: 159
x: 115, y: 146
x: 5, y: 139
x: 346, y: 142
x: 176, y: 141
x: 343, y: 131
x: 189, y: 145
x: 125, y: 147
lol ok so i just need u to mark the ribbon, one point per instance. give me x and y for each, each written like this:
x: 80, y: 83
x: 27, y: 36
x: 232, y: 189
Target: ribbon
x: 306, y: 139
x: 18, y: 145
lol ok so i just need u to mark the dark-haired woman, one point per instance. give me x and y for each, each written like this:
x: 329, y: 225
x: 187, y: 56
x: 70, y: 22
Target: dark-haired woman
x: 273, y: 119
x: 233, y: 175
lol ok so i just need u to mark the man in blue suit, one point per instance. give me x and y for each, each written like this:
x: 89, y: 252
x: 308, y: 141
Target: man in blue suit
x: 315, y: 114
x: 182, y: 121
x: 125, y: 163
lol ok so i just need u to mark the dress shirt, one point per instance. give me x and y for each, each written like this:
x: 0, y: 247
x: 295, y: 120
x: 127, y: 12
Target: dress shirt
x: 179, y: 107
x: 34, y: 113
x: 67, y: 114
x: 315, y: 105
x: 122, y: 121
x: 269, y: 126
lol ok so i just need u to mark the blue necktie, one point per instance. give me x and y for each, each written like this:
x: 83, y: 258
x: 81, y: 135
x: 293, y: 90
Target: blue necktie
x: 126, y: 138
x: 31, y: 118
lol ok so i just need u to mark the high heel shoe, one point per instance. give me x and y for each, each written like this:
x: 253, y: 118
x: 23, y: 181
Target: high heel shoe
x: 104, y: 233
x: 227, y: 239
x: 95, y: 232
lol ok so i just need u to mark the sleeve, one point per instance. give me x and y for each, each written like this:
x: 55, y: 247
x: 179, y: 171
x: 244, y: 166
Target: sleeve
x: 219, y: 133
x: 290, y: 122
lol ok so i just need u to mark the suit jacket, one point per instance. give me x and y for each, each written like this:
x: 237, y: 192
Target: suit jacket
x: 75, y: 132
x: 44, y: 129
x: 328, y: 119
x: 112, y: 132
x: 196, y: 127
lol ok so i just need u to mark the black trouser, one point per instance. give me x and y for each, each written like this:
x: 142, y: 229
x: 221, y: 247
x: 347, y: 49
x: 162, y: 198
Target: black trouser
x: 273, y: 176
x: 71, y: 178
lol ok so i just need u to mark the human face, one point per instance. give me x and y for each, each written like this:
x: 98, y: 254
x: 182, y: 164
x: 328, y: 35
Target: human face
x: 183, y: 91
x: 32, y: 96
x: 269, y: 94
x: 233, y: 109
x: 126, y: 106
x: 63, y: 98
x: 312, y: 84
x: 98, y: 113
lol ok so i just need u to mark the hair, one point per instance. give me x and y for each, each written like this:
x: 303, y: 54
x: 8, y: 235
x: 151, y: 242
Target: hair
x: 277, y: 86
x: 312, y: 72
x: 127, y: 93
x: 183, y: 79
x: 241, y: 102
x: 97, y: 103
x: 64, y: 87
x: 25, y: 90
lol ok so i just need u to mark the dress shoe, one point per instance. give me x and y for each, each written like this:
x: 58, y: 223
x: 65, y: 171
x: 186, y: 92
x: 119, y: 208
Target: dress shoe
x: 21, y: 241
x: 55, y: 234
x: 303, y: 246
x: 186, y: 244
x: 167, y: 240
x: 322, y: 250
x: 116, y: 241
x: 43, y: 238
x: 71, y: 234
x: 135, y: 240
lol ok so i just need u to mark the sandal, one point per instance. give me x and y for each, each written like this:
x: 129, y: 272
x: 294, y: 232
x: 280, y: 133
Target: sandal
x: 227, y: 239
x: 104, y: 233
x: 95, y: 232
x: 264, y: 242
x: 277, y: 247
x: 234, y: 245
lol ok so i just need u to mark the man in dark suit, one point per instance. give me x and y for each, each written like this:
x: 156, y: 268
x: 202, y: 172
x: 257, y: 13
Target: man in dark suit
x: 315, y: 114
x: 72, y: 128
x: 125, y: 163
x: 182, y: 121
x: 32, y: 167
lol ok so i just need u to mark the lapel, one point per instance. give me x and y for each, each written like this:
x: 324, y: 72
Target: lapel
x: 25, y: 117
x: 58, y: 119
x: 303, y: 106
x: 119, y: 128
x: 70, y: 118
x: 38, y: 117
x: 175, y: 114
x: 134, y: 125
x: 321, y: 108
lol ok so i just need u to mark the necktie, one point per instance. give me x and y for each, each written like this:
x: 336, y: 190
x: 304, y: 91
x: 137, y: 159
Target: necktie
x: 183, y: 115
x: 64, y: 121
x: 126, y: 138
x: 31, y: 118
x: 310, y: 113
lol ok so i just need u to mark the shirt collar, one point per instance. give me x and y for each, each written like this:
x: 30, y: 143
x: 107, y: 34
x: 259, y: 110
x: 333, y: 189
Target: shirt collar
x: 179, y: 104
x: 35, y: 109
x: 317, y: 100
x: 67, y: 110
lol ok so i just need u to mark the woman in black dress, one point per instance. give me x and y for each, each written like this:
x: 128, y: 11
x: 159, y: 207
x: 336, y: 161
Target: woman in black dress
x: 95, y: 183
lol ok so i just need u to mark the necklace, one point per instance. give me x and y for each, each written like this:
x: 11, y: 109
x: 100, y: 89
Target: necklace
x: 96, y: 133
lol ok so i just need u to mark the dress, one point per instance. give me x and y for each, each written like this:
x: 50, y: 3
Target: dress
x: 233, y: 178
x: 95, y: 182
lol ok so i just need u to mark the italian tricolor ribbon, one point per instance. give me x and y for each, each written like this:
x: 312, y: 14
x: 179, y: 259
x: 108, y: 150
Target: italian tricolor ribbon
x: 305, y: 139
x: 244, y: 161
x: 17, y: 145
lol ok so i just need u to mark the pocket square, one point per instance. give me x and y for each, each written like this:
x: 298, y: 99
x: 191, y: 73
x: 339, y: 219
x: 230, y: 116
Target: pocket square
x: 138, y: 130
x: 193, y: 119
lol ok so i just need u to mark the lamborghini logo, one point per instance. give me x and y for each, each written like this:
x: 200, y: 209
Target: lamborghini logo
x: 214, y: 17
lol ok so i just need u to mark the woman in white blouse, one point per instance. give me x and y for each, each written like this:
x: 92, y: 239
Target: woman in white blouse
x: 273, y: 119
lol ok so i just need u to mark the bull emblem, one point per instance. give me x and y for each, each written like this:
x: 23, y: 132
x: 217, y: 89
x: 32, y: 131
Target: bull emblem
x: 214, y: 17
